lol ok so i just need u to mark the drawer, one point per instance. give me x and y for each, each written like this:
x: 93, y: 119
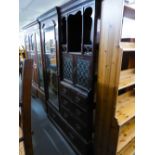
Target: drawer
x: 78, y: 144
x: 83, y: 129
x: 75, y: 110
x: 74, y: 95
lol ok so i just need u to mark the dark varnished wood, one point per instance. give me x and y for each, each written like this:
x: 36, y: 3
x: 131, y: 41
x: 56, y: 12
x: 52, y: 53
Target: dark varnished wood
x: 79, y: 144
x: 78, y: 91
x: 26, y: 106
x: 34, y: 29
x: 48, y: 22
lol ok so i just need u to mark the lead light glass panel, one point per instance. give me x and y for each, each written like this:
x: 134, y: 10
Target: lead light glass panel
x: 83, y: 73
x: 67, y: 67
x: 51, y: 66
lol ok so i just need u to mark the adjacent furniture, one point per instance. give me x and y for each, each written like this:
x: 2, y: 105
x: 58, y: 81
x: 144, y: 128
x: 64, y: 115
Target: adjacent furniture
x: 84, y: 60
x: 115, y: 116
x: 33, y: 50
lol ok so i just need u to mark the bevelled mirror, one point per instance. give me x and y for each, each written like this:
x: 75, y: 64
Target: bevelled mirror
x: 39, y: 61
x: 51, y: 66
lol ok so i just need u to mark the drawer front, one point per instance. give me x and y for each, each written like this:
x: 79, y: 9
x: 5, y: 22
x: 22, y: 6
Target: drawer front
x: 75, y: 110
x: 82, y: 128
x: 79, y: 145
x: 74, y: 96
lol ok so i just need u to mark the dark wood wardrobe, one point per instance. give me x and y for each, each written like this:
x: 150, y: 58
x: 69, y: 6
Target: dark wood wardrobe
x: 77, y: 53
x: 68, y: 39
x: 34, y: 51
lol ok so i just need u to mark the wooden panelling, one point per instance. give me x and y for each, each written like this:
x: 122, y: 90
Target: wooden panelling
x: 75, y: 109
x: 79, y: 144
x: 108, y: 71
x: 115, y: 108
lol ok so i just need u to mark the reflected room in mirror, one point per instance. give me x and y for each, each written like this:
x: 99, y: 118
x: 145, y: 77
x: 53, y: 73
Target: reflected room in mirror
x: 51, y: 65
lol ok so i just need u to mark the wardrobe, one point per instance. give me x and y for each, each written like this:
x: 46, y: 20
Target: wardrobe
x: 33, y: 51
x: 72, y: 49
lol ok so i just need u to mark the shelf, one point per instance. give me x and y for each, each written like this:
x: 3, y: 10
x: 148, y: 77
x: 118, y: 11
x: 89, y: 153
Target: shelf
x: 127, y: 78
x: 125, y: 108
x: 129, y: 149
x: 127, y: 46
x: 126, y: 134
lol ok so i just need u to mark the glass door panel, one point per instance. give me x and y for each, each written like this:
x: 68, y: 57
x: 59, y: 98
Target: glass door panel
x: 39, y: 62
x: 51, y: 66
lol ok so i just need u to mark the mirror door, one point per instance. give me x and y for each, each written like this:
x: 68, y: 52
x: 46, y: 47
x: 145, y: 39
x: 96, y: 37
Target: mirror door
x: 51, y: 66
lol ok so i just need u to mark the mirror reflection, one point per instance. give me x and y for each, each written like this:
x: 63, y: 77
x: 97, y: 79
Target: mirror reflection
x: 40, y: 69
x: 51, y: 65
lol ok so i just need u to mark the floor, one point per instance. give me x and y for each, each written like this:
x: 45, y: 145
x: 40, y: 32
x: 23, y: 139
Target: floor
x: 46, y: 138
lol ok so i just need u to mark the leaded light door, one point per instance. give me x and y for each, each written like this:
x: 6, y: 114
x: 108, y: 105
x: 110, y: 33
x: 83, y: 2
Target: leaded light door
x: 77, y: 68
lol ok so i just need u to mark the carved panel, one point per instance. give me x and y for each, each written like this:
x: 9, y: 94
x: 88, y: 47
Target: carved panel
x: 87, y: 49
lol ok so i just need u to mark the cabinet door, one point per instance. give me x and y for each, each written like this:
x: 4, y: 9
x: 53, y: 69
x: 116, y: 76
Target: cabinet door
x: 77, y: 65
x: 51, y: 65
x: 33, y: 55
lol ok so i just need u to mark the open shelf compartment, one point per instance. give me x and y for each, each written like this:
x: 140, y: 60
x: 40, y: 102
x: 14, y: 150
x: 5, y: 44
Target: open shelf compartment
x: 127, y: 78
x: 129, y: 149
x: 126, y: 134
x: 127, y: 46
x: 125, y: 108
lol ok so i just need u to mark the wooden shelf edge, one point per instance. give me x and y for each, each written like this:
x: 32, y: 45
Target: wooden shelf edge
x: 127, y: 46
x: 127, y: 78
x: 126, y: 134
x: 129, y: 149
x: 125, y: 108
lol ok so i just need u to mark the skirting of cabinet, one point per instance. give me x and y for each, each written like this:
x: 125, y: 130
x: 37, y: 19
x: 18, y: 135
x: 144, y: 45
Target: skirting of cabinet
x: 80, y: 146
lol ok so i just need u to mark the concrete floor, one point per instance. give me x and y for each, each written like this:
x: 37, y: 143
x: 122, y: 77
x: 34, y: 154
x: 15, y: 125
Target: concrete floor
x: 46, y: 138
